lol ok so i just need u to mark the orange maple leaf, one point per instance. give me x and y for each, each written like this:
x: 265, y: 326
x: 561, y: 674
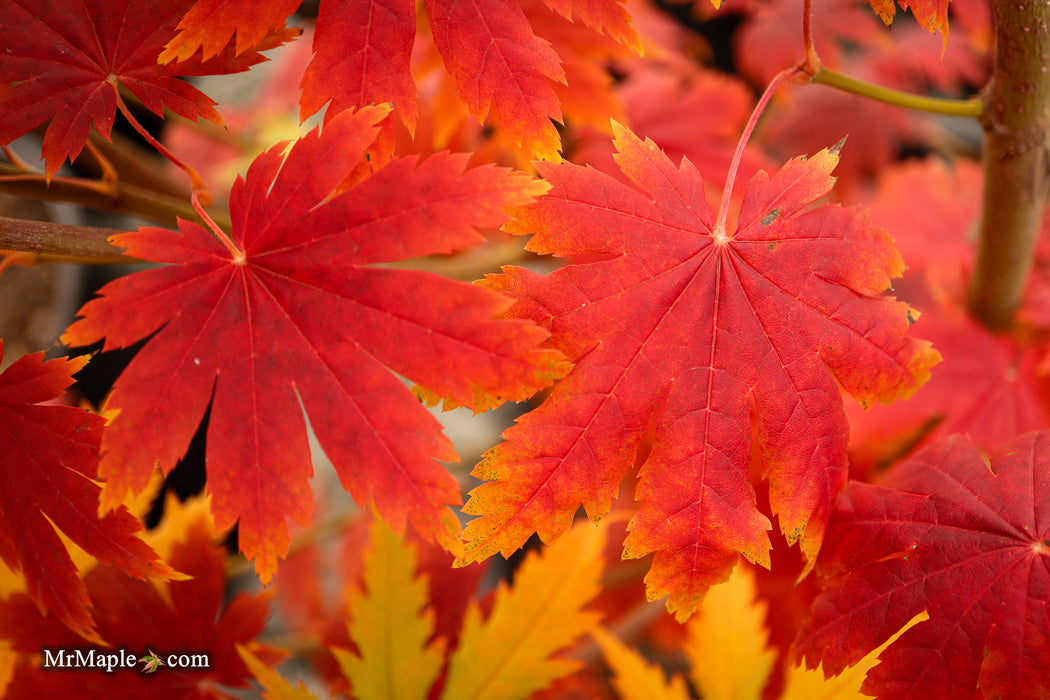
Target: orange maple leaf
x: 210, y: 25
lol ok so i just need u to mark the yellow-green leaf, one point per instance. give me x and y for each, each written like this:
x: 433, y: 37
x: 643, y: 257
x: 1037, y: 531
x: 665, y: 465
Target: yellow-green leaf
x: 508, y: 656
x: 390, y: 626
x: 727, y: 645
x: 635, y: 678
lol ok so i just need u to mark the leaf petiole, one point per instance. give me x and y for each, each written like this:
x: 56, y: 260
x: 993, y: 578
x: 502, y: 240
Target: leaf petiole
x: 237, y: 253
x: 972, y: 107
x: 727, y: 191
x: 198, y: 183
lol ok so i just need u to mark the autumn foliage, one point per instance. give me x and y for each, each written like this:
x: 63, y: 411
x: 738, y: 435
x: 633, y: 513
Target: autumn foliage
x: 782, y: 429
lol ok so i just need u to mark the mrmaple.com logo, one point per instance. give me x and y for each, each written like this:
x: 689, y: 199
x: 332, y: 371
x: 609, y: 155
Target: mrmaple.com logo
x: 111, y: 660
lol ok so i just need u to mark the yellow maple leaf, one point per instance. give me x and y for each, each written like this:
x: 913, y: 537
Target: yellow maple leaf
x: 727, y: 645
x: 390, y: 625
x: 728, y: 655
x: 275, y: 687
x: 634, y: 678
x: 508, y: 656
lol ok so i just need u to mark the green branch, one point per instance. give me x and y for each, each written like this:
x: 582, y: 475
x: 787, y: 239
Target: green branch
x: 957, y: 108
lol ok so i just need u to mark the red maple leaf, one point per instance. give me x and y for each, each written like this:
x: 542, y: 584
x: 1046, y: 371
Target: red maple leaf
x: 505, y: 59
x: 685, y: 330
x: 488, y: 47
x: 498, y: 63
x: 190, y: 618
x: 587, y: 96
x: 966, y: 541
x: 48, y: 460
x: 210, y: 25
x: 362, y: 52
x: 290, y: 314
x: 68, y: 57
x: 991, y: 388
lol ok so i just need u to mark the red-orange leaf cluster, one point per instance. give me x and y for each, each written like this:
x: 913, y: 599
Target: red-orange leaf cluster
x: 495, y: 55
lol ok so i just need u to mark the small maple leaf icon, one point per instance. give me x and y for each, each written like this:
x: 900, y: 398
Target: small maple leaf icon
x: 152, y: 662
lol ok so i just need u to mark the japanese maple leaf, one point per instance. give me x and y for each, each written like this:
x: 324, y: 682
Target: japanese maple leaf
x: 687, y: 330
x: 499, y: 63
x: 211, y: 24
x: 588, y: 96
x: 188, y: 617
x: 488, y: 47
x: 502, y: 67
x: 48, y: 461
x: 69, y: 56
x: 292, y: 315
x: 990, y: 388
x: 151, y: 661
x: 966, y: 540
x: 354, y: 68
